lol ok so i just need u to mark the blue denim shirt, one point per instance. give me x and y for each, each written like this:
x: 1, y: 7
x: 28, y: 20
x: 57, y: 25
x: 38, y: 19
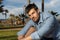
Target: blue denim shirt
x: 47, y: 25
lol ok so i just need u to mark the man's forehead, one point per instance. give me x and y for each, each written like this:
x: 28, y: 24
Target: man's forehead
x: 32, y: 10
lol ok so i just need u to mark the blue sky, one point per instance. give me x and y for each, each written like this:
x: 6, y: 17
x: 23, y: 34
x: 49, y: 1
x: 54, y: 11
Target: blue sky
x: 16, y: 6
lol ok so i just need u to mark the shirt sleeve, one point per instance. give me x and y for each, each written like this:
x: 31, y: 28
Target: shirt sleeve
x: 25, y: 29
x: 44, y: 29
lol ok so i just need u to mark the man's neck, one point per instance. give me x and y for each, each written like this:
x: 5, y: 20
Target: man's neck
x: 38, y: 20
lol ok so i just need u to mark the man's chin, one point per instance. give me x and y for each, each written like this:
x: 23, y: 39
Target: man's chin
x: 34, y: 20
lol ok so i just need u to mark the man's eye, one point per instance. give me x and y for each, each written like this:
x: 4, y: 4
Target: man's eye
x: 29, y: 15
x: 33, y: 12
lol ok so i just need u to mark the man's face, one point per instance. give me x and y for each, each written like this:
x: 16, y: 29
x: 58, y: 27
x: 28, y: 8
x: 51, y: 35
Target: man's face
x: 34, y: 15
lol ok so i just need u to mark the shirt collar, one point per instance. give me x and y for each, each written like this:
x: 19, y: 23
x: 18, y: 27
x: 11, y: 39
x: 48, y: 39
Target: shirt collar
x: 41, y: 18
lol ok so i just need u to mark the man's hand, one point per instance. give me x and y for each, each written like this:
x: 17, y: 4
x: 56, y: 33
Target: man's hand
x: 27, y: 38
x: 29, y: 32
x: 20, y: 37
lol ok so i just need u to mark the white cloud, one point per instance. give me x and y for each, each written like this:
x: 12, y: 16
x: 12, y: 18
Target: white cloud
x: 16, y: 11
x: 17, y: 1
x: 13, y: 10
x: 48, y: 5
x: 2, y: 16
x: 52, y: 3
x: 11, y: 5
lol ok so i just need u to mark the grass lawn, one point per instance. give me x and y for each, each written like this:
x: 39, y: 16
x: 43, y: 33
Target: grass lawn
x: 8, y: 34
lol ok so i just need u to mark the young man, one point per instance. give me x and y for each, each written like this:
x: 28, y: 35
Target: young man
x: 45, y: 25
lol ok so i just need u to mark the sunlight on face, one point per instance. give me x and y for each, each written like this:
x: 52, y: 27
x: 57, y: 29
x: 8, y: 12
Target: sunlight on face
x: 33, y: 14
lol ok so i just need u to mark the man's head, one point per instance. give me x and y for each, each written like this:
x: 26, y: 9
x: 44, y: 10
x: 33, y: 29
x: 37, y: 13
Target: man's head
x: 33, y: 12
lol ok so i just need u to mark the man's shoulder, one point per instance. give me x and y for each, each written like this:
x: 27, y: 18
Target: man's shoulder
x: 47, y: 14
x: 30, y: 22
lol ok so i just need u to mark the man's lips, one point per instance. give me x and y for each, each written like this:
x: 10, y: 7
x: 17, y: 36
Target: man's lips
x: 33, y: 19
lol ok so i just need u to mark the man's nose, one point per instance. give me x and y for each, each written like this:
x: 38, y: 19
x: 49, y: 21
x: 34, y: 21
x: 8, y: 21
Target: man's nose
x: 31, y: 16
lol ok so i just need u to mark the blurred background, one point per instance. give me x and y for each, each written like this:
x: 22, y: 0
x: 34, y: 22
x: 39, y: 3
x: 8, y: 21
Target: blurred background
x: 13, y: 17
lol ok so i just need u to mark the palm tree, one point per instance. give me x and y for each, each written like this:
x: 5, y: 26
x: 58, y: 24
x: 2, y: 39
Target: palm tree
x: 53, y: 12
x: 1, y: 6
x: 42, y: 5
x: 12, y: 18
x: 23, y: 18
x: 16, y: 18
x: 6, y: 11
x: 1, y: 1
x: 29, y: 1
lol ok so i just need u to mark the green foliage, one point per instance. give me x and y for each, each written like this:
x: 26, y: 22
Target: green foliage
x: 8, y: 34
x: 10, y: 26
x: 9, y: 38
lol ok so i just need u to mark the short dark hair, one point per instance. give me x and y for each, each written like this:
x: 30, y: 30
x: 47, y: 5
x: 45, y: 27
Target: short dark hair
x: 29, y: 7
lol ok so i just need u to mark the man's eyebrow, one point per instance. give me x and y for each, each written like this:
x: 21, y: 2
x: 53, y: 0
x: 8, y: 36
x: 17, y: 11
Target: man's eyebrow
x: 29, y: 15
x: 33, y: 12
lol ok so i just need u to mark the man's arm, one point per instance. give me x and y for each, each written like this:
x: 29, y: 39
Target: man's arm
x: 42, y: 31
x: 20, y: 37
x: 30, y: 31
x: 48, y: 24
x: 22, y: 33
x: 25, y: 29
x: 27, y: 38
x: 27, y: 35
